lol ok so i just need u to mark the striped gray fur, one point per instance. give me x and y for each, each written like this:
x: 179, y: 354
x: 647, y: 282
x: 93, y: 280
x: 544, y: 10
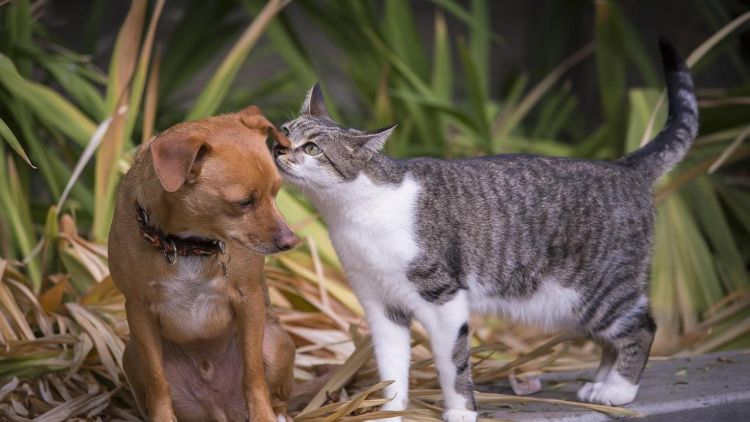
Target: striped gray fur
x: 463, y: 383
x: 398, y: 315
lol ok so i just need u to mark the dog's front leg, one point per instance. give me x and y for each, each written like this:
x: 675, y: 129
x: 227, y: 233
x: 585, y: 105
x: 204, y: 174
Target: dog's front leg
x: 144, y: 332
x: 250, y: 309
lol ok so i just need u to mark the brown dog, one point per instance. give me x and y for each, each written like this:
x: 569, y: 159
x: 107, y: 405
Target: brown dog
x: 194, y: 217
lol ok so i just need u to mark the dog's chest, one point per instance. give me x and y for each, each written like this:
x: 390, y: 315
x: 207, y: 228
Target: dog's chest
x: 193, y: 303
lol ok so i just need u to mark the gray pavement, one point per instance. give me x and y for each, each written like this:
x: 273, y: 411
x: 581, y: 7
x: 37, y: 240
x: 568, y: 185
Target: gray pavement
x: 714, y: 387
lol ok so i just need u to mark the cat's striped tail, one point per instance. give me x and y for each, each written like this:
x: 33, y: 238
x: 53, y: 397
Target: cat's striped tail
x: 672, y: 143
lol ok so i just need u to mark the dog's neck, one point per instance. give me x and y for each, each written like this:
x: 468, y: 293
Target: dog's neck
x: 172, y: 245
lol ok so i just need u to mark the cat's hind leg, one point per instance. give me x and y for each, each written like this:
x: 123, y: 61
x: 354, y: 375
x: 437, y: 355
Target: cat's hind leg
x: 391, y: 337
x: 447, y: 325
x: 609, y: 354
x: 630, y: 336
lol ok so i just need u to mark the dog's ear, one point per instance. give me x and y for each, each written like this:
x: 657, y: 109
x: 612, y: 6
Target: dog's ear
x: 177, y: 158
x: 252, y: 117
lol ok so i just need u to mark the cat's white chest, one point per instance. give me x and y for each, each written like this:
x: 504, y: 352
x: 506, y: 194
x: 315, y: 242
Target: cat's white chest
x: 373, y: 229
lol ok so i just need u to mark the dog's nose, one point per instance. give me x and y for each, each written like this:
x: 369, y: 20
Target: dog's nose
x: 285, y: 240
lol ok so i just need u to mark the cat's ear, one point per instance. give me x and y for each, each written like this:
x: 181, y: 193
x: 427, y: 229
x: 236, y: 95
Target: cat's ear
x: 314, y: 104
x: 374, y: 140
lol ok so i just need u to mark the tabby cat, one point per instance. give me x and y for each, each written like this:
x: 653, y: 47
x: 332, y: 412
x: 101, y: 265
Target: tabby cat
x: 561, y: 243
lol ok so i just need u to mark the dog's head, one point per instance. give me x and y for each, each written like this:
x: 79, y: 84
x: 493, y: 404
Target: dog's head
x: 220, y: 180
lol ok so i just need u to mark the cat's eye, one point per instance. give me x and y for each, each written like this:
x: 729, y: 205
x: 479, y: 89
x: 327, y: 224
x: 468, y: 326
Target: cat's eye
x: 249, y: 202
x: 285, y: 131
x: 311, y: 149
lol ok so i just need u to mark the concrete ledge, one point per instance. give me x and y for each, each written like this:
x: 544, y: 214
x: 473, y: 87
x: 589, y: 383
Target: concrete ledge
x: 714, y: 387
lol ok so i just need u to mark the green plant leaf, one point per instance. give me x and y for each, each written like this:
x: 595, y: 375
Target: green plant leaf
x: 477, y: 96
x: 479, y: 43
x: 400, y: 34
x: 49, y: 106
x: 507, y: 121
x: 703, y: 200
x: 216, y: 89
x: 14, y: 205
x: 442, y: 65
x: 11, y: 139
x: 76, y: 85
x: 187, y: 51
x: 642, y: 103
x: 610, y: 65
x: 479, y: 28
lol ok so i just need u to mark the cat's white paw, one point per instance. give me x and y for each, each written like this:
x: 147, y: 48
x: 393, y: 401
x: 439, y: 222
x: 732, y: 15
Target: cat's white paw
x: 614, y: 391
x: 585, y: 392
x: 282, y: 418
x: 459, y: 415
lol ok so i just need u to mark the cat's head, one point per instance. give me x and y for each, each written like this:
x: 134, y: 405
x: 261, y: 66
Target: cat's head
x: 322, y: 152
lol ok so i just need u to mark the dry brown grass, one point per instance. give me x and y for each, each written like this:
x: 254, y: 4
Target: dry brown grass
x: 62, y: 350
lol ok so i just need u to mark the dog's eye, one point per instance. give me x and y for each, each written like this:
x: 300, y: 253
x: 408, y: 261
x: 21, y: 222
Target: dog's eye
x: 250, y: 201
x: 311, y: 149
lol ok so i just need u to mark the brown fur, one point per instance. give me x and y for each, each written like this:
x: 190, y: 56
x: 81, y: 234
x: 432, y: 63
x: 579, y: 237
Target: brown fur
x: 204, y: 346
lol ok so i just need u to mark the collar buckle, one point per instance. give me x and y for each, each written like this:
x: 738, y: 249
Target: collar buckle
x: 171, y: 257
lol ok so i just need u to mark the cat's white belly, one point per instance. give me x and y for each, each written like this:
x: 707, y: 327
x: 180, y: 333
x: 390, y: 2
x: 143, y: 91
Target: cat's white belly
x: 552, y: 306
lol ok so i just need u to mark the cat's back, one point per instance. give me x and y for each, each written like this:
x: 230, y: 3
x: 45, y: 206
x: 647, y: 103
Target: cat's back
x: 526, y: 167
x: 522, y: 181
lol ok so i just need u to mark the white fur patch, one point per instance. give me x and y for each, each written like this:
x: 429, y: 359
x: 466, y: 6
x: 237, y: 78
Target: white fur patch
x: 613, y: 391
x: 551, y: 306
x: 190, y: 301
x: 392, y: 352
x: 309, y: 174
x: 373, y: 229
x: 456, y: 415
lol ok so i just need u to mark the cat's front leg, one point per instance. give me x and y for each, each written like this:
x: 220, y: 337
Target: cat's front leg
x: 391, y: 337
x: 448, y: 327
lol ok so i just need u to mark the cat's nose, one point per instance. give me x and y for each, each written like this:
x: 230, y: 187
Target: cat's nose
x: 278, y: 150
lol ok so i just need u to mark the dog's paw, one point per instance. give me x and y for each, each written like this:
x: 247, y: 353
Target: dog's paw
x: 459, y: 415
x: 614, y: 391
x: 164, y: 416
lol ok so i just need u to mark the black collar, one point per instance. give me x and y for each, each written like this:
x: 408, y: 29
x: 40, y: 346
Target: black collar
x: 173, y: 246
